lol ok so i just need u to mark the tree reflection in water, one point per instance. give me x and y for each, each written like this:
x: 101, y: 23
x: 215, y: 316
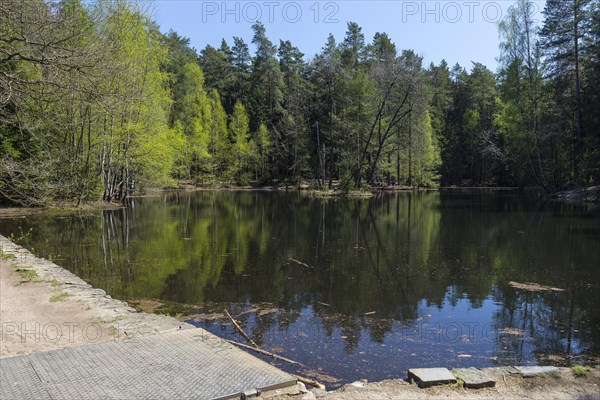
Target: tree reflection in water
x: 395, y: 281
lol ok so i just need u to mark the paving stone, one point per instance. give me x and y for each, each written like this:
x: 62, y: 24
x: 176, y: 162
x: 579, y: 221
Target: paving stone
x: 474, y: 378
x: 529, y: 372
x: 426, y: 377
x: 187, y: 364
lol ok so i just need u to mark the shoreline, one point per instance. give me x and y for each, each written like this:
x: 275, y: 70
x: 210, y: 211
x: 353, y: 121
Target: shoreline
x: 587, y: 196
x: 35, y: 290
x: 45, y: 307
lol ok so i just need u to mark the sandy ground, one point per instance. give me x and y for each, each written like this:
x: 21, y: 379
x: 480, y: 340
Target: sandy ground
x: 31, y: 322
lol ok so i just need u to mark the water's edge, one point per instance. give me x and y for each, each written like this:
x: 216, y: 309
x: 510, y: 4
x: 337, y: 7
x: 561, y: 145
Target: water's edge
x: 140, y: 323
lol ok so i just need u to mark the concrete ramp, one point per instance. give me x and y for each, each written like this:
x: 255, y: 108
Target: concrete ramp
x: 187, y: 364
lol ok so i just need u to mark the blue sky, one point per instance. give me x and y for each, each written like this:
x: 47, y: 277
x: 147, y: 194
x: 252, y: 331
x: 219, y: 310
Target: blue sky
x: 455, y: 30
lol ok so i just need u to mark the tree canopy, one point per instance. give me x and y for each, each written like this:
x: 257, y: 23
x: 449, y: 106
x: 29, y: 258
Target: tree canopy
x: 96, y: 103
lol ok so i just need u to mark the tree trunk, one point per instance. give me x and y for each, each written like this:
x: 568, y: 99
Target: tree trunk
x: 578, y: 112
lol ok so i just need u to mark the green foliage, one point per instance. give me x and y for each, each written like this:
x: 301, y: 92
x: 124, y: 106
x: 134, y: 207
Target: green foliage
x: 28, y: 274
x: 99, y: 104
x: 242, y: 150
x: 21, y: 237
x: 580, y: 371
x: 427, y: 158
x: 459, y: 382
x: 6, y: 256
x: 263, y: 148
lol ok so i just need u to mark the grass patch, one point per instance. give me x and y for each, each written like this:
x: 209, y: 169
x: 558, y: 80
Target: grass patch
x: 28, y: 275
x: 99, y: 320
x: 53, y: 282
x: 6, y: 256
x: 62, y: 296
x: 580, y: 371
x: 84, y: 305
x: 459, y: 382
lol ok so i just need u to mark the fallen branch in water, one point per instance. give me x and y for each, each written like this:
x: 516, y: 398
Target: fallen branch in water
x: 309, y: 382
x: 264, y: 352
x: 534, y: 287
x: 240, y: 330
x: 300, y: 263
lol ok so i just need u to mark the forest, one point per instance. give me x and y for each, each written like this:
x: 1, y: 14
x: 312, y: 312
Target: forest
x: 96, y: 104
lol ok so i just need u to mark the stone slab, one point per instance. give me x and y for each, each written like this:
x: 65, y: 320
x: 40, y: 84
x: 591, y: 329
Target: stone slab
x: 501, y: 370
x: 187, y: 364
x: 530, y: 372
x: 426, y: 377
x: 474, y: 378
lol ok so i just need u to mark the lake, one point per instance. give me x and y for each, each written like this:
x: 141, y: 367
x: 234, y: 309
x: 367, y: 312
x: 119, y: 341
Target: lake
x: 352, y: 288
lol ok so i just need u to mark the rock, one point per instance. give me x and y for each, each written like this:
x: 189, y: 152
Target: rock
x: 474, y: 378
x: 302, y: 387
x: 360, y: 383
x: 319, y: 392
x: 426, y: 377
x: 529, y: 372
x: 309, y: 396
x: 501, y: 370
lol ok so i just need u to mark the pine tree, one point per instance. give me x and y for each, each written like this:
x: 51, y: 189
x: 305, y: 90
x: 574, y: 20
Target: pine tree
x: 292, y: 127
x: 218, y: 71
x: 353, y: 49
x: 566, y: 26
x: 241, y: 62
x: 521, y: 91
x: 266, y: 80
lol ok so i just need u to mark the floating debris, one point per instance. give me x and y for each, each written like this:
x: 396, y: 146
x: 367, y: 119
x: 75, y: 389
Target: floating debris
x: 511, y: 331
x: 206, y: 317
x: 534, y: 287
x: 300, y: 262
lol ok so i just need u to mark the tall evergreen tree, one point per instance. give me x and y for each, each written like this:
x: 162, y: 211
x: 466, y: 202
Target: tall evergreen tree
x: 566, y: 25
x: 241, y: 63
x: 266, y: 80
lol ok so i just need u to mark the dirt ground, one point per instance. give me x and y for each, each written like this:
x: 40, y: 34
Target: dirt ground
x: 561, y: 386
x: 35, y: 316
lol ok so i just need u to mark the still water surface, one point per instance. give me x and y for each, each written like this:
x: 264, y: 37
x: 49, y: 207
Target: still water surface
x: 357, y: 288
